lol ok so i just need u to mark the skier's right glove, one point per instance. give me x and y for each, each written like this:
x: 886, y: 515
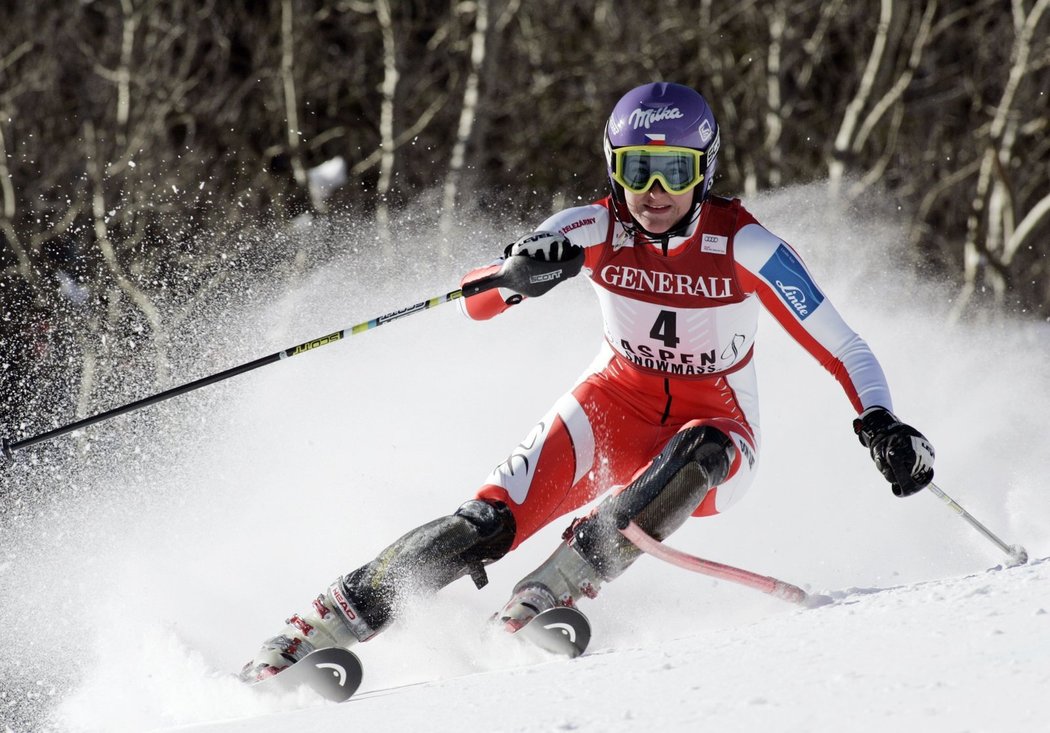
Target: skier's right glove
x: 901, y: 453
x: 539, y: 261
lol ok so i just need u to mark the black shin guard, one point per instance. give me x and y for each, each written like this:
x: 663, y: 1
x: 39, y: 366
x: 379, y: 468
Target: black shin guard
x: 659, y: 501
x: 429, y: 558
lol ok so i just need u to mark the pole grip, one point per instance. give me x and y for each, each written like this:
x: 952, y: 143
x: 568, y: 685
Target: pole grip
x: 482, y: 284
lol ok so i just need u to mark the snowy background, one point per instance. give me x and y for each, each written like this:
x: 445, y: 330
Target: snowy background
x: 141, y: 585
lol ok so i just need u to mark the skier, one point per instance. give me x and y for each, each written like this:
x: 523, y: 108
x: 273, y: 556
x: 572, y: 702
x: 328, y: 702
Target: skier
x: 666, y: 417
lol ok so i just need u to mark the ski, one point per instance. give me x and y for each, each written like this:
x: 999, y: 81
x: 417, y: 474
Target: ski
x: 332, y: 672
x: 561, y: 630
x: 335, y: 673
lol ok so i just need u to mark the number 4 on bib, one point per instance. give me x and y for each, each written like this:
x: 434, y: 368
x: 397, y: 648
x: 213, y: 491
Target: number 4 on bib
x: 666, y: 329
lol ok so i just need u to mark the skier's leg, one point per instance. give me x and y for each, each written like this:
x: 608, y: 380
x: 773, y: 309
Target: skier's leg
x: 659, y: 500
x: 550, y: 474
x: 586, y: 443
x: 358, y: 606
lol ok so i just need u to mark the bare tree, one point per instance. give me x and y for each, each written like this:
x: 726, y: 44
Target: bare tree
x: 288, y: 85
x: 845, y: 140
x: 467, y: 116
x: 991, y: 224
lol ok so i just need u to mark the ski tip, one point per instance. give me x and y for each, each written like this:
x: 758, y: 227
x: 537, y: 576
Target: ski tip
x: 336, y: 673
x: 333, y: 673
x: 560, y: 630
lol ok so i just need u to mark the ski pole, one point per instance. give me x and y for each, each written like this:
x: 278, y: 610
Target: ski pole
x: 472, y: 288
x: 1016, y: 552
x: 772, y: 586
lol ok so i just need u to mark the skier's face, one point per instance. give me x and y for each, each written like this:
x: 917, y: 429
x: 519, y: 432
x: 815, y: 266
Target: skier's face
x: 656, y: 209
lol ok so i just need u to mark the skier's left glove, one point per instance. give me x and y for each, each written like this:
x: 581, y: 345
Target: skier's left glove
x: 539, y: 261
x: 901, y: 453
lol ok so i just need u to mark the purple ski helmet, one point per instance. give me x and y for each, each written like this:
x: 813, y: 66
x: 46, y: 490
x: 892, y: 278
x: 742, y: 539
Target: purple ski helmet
x: 663, y: 113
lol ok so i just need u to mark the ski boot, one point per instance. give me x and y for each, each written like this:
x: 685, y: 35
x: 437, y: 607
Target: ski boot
x: 561, y: 581
x: 594, y: 551
x: 358, y: 606
x: 330, y: 621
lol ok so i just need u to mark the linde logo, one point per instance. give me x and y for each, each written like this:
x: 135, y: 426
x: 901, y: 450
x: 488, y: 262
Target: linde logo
x: 646, y: 281
x: 795, y: 296
x: 785, y: 272
x: 644, y: 118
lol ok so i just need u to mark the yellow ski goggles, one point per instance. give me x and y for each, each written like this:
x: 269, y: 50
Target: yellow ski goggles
x: 638, y: 167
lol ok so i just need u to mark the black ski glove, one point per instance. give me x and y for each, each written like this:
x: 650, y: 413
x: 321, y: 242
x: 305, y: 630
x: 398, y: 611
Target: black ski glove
x: 539, y: 261
x: 901, y: 453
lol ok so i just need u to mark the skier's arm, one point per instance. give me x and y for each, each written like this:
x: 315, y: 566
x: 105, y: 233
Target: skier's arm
x: 787, y: 290
x: 768, y: 267
x: 530, y: 267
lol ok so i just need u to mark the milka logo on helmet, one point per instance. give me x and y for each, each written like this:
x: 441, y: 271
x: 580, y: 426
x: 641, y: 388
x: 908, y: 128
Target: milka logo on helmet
x: 784, y: 271
x: 645, y: 118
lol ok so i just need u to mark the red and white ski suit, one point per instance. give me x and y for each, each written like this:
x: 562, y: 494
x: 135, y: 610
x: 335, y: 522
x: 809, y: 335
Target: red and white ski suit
x: 679, y: 336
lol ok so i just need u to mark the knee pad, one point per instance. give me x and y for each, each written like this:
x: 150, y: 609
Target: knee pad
x: 495, y: 526
x: 430, y: 557
x: 659, y: 500
x: 714, y: 453
x: 693, y: 461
